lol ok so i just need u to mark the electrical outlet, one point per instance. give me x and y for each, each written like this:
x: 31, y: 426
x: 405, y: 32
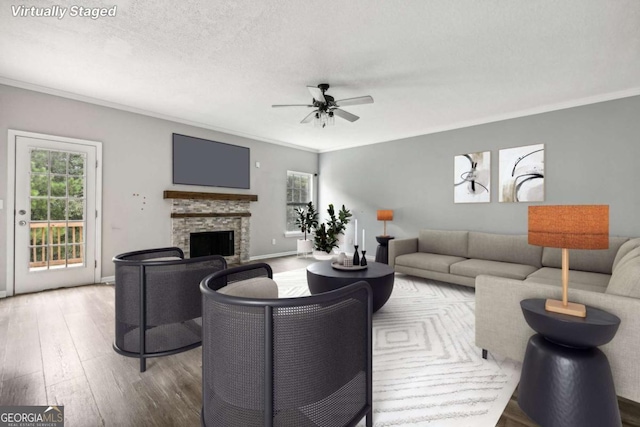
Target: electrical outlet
x: 273, y: 241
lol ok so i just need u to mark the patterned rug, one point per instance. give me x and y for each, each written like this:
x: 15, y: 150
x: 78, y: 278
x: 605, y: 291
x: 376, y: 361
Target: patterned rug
x: 427, y: 370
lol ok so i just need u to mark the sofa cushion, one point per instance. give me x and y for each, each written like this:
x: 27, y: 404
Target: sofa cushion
x: 504, y: 247
x: 475, y: 267
x: 572, y: 285
x: 625, y: 280
x: 424, y: 261
x: 598, y: 261
x: 443, y: 242
x: 596, y: 282
x: 627, y: 247
x: 257, y: 287
x: 629, y: 256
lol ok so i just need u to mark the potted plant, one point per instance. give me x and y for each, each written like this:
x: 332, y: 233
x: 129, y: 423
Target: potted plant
x: 337, y: 226
x: 307, y: 220
x: 324, y: 242
x: 328, y: 236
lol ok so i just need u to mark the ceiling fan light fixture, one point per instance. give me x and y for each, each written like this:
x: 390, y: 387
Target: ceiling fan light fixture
x: 326, y: 107
x: 324, y: 119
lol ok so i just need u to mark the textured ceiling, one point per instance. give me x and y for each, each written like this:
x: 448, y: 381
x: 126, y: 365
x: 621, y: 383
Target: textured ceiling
x: 429, y: 64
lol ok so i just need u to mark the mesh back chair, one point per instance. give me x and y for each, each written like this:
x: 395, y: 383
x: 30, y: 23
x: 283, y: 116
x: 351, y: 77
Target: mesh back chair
x: 159, y: 289
x: 285, y: 362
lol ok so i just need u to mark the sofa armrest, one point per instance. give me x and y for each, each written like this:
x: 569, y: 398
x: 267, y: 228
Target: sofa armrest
x: 501, y: 328
x: 399, y: 247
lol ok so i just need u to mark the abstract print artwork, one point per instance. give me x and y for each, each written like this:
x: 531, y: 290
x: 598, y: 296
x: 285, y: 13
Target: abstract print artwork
x: 472, y: 178
x: 521, y: 174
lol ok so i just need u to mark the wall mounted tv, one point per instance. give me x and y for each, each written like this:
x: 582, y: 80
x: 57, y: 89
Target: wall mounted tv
x: 199, y: 161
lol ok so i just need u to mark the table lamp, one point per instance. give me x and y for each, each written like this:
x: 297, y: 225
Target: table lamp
x: 569, y: 227
x: 385, y: 215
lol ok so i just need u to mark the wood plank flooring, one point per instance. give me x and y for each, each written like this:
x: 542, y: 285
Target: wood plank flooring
x: 56, y: 349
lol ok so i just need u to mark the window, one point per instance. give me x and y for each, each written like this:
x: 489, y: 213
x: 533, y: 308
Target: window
x: 299, y: 193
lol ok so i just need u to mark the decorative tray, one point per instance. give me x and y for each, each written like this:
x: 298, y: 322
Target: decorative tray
x: 342, y: 267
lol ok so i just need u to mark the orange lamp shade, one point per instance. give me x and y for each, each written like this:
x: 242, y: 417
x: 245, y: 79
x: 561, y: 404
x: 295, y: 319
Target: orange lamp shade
x: 569, y: 226
x: 385, y: 215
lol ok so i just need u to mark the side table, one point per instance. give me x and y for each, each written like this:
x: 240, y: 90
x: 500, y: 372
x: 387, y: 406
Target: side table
x: 566, y: 380
x: 382, y: 252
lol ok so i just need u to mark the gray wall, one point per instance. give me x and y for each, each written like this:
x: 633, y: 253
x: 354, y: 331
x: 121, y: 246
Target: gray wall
x: 592, y: 156
x: 137, y: 159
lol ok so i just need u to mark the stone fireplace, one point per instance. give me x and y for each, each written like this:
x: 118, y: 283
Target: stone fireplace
x: 193, y: 212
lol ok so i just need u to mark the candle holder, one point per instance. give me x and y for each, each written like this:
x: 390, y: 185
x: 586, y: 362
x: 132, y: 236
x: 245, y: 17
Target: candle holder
x: 363, y: 260
x: 356, y: 257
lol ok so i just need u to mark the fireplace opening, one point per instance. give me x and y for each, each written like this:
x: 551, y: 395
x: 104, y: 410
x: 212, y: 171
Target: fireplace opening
x: 211, y: 243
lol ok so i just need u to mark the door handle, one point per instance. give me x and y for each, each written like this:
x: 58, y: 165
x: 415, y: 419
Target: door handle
x: 23, y: 222
x: 22, y: 212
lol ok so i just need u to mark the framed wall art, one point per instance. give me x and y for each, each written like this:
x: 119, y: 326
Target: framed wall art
x: 472, y: 178
x: 521, y: 174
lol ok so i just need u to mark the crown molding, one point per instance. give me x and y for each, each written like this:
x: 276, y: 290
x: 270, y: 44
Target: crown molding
x: 612, y: 96
x: 90, y: 100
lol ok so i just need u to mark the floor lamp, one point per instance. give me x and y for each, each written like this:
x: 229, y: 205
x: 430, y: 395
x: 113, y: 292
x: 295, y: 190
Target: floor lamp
x: 568, y: 227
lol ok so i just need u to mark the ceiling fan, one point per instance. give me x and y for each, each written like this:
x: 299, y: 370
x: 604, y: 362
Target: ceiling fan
x: 326, y: 107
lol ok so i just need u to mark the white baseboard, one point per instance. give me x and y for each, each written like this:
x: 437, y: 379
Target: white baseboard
x: 280, y: 254
x: 108, y: 279
x: 3, y: 294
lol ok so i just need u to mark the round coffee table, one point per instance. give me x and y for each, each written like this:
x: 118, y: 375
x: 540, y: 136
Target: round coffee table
x: 321, y: 277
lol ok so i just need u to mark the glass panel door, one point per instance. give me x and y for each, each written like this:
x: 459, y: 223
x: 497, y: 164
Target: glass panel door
x: 55, y: 214
x: 57, y: 200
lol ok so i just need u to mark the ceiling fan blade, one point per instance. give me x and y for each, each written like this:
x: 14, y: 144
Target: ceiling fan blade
x: 291, y: 105
x: 345, y: 115
x: 354, y: 101
x: 317, y: 94
x: 309, y: 117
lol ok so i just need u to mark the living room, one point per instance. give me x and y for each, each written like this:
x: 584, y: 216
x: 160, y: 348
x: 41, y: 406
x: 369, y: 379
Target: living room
x: 573, y: 85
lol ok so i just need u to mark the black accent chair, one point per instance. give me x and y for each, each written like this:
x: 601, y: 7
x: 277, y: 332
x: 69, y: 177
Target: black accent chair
x: 285, y: 362
x: 159, y: 289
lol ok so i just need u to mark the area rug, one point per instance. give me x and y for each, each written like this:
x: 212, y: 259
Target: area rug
x: 427, y: 370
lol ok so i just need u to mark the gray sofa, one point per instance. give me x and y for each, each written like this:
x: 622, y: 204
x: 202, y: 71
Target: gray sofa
x: 505, y: 269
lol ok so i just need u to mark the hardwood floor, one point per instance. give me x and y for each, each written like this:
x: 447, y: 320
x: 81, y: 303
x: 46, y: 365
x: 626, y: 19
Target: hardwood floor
x: 56, y: 349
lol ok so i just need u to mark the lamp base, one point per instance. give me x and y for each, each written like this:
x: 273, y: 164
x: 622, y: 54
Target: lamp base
x: 571, y: 309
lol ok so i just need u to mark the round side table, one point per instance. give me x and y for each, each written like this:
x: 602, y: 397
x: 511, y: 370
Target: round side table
x: 382, y: 252
x: 566, y: 381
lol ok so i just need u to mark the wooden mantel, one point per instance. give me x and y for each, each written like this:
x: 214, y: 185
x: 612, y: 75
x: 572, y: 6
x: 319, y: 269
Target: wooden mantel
x: 169, y: 194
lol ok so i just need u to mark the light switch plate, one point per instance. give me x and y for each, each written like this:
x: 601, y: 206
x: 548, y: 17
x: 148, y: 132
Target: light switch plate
x: 1, y: 204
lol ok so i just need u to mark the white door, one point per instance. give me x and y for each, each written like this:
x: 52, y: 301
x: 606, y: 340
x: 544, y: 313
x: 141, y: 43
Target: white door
x: 55, y: 214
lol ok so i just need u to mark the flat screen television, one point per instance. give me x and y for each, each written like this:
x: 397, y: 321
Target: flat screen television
x: 199, y: 161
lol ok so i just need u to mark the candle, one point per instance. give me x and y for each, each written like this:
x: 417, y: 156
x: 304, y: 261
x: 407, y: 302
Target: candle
x: 355, y: 241
x: 363, y: 239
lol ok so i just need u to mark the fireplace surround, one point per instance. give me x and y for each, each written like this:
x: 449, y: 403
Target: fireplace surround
x: 195, y: 212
